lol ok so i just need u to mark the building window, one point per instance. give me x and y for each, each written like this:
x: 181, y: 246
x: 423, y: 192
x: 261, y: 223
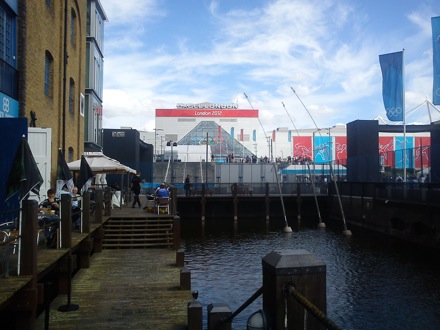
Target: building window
x: 48, y: 3
x: 7, y: 31
x: 48, y: 74
x: 72, y: 26
x: 72, y: 96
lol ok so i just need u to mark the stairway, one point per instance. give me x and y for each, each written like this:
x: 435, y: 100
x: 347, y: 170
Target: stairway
x: 138, y: 233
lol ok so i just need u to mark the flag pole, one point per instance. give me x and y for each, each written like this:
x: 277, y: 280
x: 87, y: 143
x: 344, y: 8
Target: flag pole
x: 404, y: 115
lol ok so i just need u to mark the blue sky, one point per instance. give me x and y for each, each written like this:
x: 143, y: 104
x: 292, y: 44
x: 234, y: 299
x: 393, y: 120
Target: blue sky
x: 162, y: 52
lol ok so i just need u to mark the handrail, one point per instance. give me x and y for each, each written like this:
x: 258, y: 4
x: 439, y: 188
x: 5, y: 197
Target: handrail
x: 289, y: 289
x: 257, y: 293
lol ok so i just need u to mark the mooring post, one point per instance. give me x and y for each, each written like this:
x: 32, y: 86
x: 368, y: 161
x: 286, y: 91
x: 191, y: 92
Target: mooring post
x: 185, y: 279
x: 267, y: 202
x: 203, y: 203
x: 216, y: 314
x: 298, y: 202
x: 195, y: 315
x: 180, y: 257
x: 234, y: 191
x: 176, y: 232
x: 307, y: 274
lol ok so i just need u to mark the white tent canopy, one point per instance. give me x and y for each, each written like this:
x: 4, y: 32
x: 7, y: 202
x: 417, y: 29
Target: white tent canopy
x: 100, y: 163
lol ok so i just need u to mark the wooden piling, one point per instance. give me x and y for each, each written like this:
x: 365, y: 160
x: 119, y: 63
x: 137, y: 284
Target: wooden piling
x: 307, y: 274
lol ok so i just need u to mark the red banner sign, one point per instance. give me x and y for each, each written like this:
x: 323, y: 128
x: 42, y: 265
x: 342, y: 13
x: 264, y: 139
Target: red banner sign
x: 206, y: 113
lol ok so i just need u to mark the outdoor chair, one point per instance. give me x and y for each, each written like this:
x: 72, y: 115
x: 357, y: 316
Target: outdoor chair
x: 163, y: 205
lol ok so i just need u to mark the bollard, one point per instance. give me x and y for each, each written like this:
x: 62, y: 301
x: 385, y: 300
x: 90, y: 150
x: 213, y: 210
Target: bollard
x: 185, y: 279
x: 180, y: 257
x: 216, y: 314
x: 308, y: 275
x: 195, y: 315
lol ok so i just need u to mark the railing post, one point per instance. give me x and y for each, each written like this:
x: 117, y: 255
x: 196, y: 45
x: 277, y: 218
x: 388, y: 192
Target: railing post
x: 85, y: 206
x: 66, y: 221
x: 27, y: 304
x: 99, y: 205
x: 307, y: 274
x: 108, y: 201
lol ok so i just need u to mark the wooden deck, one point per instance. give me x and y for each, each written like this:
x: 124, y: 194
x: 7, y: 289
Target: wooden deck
x: 125, y: 289
x: 114, y: 288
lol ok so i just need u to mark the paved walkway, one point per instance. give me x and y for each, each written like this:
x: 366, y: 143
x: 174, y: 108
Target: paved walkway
x: 125, y: 289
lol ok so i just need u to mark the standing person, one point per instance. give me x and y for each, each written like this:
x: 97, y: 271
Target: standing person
x: 136, y: 188
x: 187, y: 186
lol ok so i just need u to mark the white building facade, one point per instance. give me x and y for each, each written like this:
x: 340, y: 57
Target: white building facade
x: 241, y: 124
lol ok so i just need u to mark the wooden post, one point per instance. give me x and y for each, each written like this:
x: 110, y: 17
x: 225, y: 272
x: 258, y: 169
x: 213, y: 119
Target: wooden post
x: 65, y: 242
x: 176, y: 232
x: 185, y: 279
x: 99, y: 206
x: 108, y: 201
x: 298, y: 202
x: 173, y: 205
x: 66, y: 221
x: 26, y: 303
x: 267, y: 203
x: 86, y: 246
x: 234, y: 192
x: 85, y: 206
x: 216, y: 314
x: 195, y: 315
x: 180, y: 257
x: 203, y: 203
x: 308, y: 275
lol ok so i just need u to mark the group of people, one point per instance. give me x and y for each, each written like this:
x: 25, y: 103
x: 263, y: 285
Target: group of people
x: 50, y: 211
x: 162, y: 191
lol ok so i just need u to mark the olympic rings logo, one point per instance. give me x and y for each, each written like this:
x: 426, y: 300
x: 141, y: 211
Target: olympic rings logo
x: 394, y: 112
x: 437, y: 92
x: 212, y: 141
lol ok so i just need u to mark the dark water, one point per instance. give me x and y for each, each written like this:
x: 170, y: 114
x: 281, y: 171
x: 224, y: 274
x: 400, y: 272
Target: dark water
x: 372, y: 282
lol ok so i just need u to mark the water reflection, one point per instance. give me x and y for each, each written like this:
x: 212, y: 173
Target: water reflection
x: 372, y: 282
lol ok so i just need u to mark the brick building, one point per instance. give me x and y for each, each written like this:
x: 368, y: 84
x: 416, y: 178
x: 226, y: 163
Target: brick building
x: 51, y: 43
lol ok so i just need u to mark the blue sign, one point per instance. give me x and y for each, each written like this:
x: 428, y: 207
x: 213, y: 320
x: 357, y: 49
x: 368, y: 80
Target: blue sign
x: 9, y: 107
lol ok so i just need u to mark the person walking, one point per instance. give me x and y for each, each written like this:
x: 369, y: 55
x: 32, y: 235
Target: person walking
x: 187, y: 186
x: 136, y: 188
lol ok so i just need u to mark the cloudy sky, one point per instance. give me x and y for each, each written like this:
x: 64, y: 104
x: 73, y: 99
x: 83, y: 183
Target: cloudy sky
x: 162, y: 52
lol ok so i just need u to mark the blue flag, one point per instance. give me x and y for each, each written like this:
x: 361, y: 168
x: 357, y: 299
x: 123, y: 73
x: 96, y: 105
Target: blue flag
x: 392, y: 84
x: 435, y: 23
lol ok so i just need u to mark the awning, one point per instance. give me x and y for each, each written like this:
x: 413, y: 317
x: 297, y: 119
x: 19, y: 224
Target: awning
x: 100, y: 163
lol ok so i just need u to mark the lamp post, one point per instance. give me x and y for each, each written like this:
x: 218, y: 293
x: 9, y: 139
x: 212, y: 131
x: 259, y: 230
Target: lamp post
x: 155, y: 136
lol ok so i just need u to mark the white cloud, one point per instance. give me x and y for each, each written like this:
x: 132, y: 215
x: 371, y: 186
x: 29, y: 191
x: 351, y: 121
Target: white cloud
x: 326, y: 50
